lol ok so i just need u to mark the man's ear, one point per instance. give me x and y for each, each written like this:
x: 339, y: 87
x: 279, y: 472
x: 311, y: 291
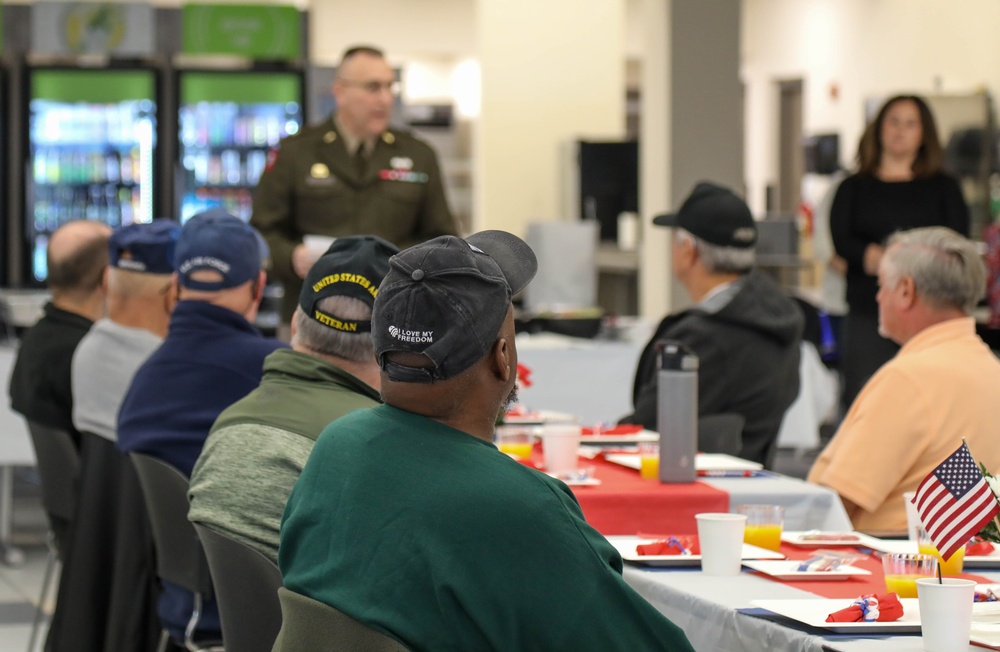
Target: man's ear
x: 258, y: 293
x: 686, y: 251
x: 501, y: 359
x: 907, y: 291
x: 293, y: 324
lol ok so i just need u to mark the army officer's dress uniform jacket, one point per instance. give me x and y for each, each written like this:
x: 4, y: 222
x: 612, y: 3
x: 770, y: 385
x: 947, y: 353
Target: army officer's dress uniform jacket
x: 313, y: 185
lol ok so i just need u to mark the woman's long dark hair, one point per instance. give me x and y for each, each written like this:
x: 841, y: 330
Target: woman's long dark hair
x: 930, y: 157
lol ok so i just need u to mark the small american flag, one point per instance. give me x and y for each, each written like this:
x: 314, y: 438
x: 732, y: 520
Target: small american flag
x: 954, y: 502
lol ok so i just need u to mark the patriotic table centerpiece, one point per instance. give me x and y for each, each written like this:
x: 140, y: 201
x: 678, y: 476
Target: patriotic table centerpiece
x: 957, y: 501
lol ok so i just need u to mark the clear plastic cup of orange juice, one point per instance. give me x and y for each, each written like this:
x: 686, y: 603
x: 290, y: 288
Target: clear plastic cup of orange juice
x: 902, y: 569
x: 649, y: 460
x: 764, y: 523
x: 949, y: 567
x: 516, y: 441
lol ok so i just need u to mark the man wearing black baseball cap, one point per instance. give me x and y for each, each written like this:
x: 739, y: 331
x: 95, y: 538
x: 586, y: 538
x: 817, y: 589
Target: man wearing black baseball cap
x: 258, y: 446
x: 744, y: 329
x: 406, y: 516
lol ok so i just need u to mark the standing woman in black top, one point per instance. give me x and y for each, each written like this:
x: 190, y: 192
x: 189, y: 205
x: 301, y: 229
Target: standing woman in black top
x: 899, y: 185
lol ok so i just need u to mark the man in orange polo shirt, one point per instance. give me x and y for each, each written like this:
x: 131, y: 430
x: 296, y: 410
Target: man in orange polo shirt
x: 943, y: 385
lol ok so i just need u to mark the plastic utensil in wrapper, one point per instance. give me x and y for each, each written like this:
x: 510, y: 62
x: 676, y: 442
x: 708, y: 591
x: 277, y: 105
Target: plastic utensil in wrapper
x: 828, y: 561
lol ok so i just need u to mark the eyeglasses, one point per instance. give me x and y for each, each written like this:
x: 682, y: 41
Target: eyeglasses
x: 374, y: 87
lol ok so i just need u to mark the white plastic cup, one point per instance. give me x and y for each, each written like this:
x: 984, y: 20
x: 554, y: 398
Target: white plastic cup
x: 628, y: 231
x: 912, y: 518
x: 945, y: 613
x: 560, y: 445
x: 721, y: 540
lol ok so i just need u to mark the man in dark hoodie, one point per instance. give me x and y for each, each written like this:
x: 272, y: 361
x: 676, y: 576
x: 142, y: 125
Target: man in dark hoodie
x: 744, y: 329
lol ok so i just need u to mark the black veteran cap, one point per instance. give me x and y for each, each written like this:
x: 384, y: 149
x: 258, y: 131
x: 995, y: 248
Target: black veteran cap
x: 716, y: 215
x: 447, y: 299
x: 145, y: 247
x: 352, y: 267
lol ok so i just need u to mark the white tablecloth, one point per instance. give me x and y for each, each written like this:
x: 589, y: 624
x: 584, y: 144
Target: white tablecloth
x: 15, y: 444
x: 705, y: 608
x: 807, y: 506
x: 593, y: 380
x: 589, y: 378
x: 16, y: 449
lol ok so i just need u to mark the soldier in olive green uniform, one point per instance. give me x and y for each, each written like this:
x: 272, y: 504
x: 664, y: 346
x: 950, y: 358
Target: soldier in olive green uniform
x: 349, y: 176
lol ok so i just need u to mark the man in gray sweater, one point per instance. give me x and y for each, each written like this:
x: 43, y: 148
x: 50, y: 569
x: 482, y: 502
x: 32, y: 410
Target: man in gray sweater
x: 258, y: 446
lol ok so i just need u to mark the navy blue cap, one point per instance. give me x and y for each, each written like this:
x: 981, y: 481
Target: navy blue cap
x: 447, y: 299
x: 354, y: 267
x: 220, y: 242
x: 143, y: 247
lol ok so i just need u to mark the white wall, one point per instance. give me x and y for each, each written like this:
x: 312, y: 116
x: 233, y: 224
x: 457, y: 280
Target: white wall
x: 406, y: 29
x: 552, y: 71
x: 863, y: 49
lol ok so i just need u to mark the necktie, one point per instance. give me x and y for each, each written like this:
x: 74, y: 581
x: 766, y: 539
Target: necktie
x: 360, y: 162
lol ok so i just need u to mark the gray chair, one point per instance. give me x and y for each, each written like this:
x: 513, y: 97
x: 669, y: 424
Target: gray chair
x: 246, y: 588
x: 58, y: 463
x: 721, y: 433
x: 180, y: 558
x: 312, y: 626
x: 7, y: 332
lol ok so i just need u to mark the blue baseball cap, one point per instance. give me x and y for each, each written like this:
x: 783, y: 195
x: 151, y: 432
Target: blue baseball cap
x: 220, y: 242
x: 145, y: 247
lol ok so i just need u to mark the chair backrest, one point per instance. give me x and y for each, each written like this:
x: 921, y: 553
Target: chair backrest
x: 59, y: 468
x: 312, y: 626
x: 721, y: 433
x: 246, y: 589
x: 7, y: 332
x: 180, y: 558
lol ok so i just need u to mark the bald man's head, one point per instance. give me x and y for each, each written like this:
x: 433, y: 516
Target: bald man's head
x: 77, y: 256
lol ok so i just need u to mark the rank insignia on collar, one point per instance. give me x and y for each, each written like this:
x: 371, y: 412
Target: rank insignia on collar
x: 319, y: 171
x: 329, y: 137
x: 388, y: 138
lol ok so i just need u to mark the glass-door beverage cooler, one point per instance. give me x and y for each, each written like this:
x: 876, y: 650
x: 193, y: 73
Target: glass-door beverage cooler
x: 227, y: 123
x: 91, y: 152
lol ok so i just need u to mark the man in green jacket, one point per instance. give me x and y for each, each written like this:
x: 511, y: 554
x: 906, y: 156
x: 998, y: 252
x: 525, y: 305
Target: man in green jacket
x: 350, y: 175
x: 408, y: 519
x: 258, y: 446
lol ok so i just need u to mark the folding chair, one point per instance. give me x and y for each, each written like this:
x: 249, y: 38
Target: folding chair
x: 312, y: 626
x: 59, y: 468
x: 180, y: 558
x: 246, y: 588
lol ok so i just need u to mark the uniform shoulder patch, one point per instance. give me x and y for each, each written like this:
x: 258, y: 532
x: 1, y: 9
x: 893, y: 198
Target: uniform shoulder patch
x: 272, y: 158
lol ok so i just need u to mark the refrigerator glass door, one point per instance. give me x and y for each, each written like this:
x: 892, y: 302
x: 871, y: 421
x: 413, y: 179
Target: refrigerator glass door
x: 228, y: 123
x: 91, y: 142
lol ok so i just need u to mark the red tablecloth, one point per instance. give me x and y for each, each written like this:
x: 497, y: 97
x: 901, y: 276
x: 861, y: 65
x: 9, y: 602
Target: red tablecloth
x: 849, y: 588
x: 624, y: 503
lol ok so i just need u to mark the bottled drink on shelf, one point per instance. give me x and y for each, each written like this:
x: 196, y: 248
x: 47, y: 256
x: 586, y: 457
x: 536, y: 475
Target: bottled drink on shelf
x: 232, y: 173
x: 113, y: 166
x: 125, y: 167
x: 39, y: 260
x: 125, y: 205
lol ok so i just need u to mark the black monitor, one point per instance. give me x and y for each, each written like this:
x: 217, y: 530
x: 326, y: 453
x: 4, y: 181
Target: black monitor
x: 822, y: 153
x: 609, y: 183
